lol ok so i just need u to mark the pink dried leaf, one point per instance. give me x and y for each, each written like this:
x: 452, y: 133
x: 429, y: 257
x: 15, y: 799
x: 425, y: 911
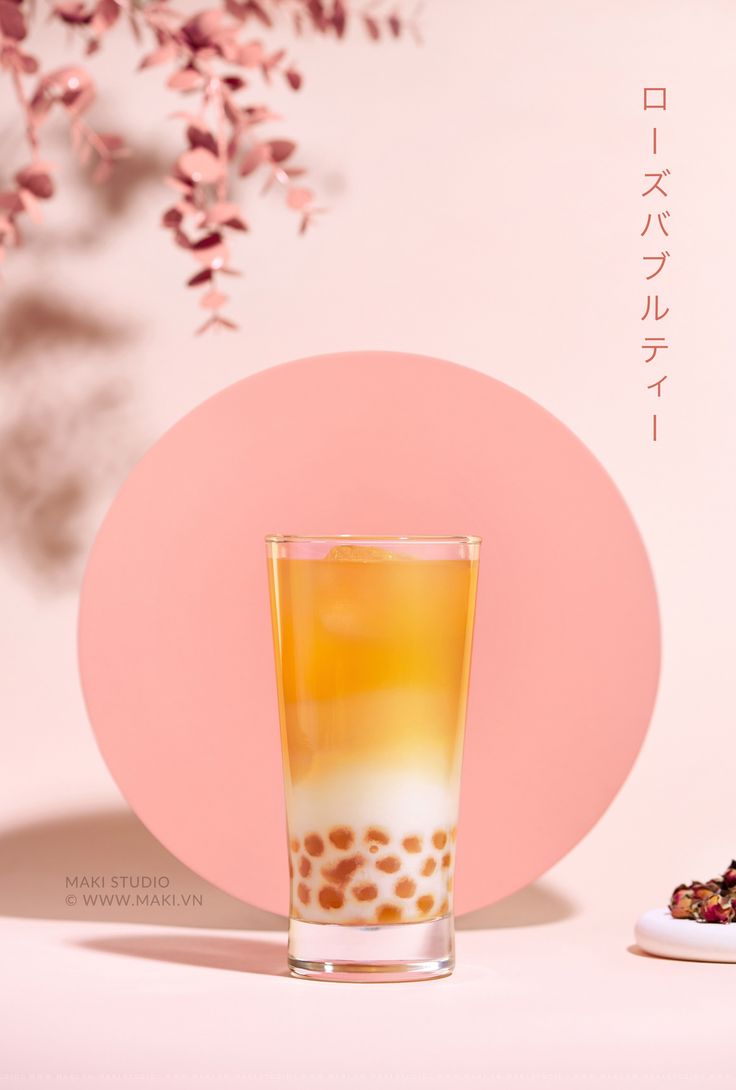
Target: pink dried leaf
x: 201, y: 166
x: 162, y: 55
x: 12, y: 23
x: 255, y: 115
x: 213, y: 300
x: 233, y: 114
x: 204, y: 29
x: 234, y: 83
x: 105, y: 15
x: 371, y: 25
x: 293, y: 78
x: 179, y: 184
x: 37, y: 181
x: 339, y: 18
x: 211, y: 251
x: 203, y: 277
x: 227, y: 214
x: 172, y: 217
x: 186, y: 79
x: 181, y: 239
x: 205, y: 55
x: 71, y: 86
x: 253, y: 158
x: 229, y: 46
x: 275, y: 59
x: 394, y: 25
x: 26, y: 63
x: 298, y: 197
x: 208, y: 242
x: 72, y: 12
x: 10, y: 201
x: 160, y: 17
x: 115, y: 145
x: 254, y: 8
x: 251, y: 55
x: 280, y: 149
x: 200, y: 137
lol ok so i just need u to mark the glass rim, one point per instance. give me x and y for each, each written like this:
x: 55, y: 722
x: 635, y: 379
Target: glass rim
x: 450, y: 539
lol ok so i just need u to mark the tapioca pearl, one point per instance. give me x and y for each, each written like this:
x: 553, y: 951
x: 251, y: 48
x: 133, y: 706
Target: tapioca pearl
x: 343, y: 870
x: 429, y: 867
x: 388, y: 913
x: 377, y: 835
x: 412, y: 844
x: 314, y: 844
x: 295, y: 844
x: 305, y: 867
x: 304, y: 893
x: 453, y: 833
x: 425, y: 903
x: 291, y: 868
x: 389, y: 864
x: 444, y: 907
x: 439, y: 839
x: 373, y: 848
x: 446, y: 858
x: 405, y: 887
x: 366, y: 892
x: 449, y: 884
x: 342, y: 837
x: 329, y: 897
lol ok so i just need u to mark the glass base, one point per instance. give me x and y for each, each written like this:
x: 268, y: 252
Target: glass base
x: 372, y: 954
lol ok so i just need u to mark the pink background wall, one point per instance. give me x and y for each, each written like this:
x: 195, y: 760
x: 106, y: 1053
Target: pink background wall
x: 485, y: 208
x: 516, y: 140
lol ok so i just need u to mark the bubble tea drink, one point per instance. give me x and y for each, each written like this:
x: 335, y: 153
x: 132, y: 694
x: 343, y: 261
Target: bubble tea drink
x: 373, y: 641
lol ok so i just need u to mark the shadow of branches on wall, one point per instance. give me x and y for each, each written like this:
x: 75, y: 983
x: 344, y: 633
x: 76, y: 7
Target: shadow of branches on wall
x: 64, y: 427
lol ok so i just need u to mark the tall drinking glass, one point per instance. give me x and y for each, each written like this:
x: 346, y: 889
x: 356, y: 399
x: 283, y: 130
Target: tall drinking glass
x: 372, y: 639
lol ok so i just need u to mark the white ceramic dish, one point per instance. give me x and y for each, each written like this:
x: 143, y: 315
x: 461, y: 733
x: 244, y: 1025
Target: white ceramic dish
x: 658, y: 932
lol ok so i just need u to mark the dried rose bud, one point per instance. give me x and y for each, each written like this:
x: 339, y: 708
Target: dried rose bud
x: 729, y: 876
x: 682, y: 903
x: 704, y: 890
x: 714, y: 911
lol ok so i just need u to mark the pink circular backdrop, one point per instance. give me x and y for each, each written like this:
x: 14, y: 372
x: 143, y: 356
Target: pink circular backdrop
x: 175, y: 639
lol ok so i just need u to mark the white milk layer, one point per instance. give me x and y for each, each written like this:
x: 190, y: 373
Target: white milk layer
x: 403, y: 800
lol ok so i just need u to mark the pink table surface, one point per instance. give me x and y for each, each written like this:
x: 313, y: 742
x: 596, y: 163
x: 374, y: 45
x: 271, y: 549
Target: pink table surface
x: 569, y: 1003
